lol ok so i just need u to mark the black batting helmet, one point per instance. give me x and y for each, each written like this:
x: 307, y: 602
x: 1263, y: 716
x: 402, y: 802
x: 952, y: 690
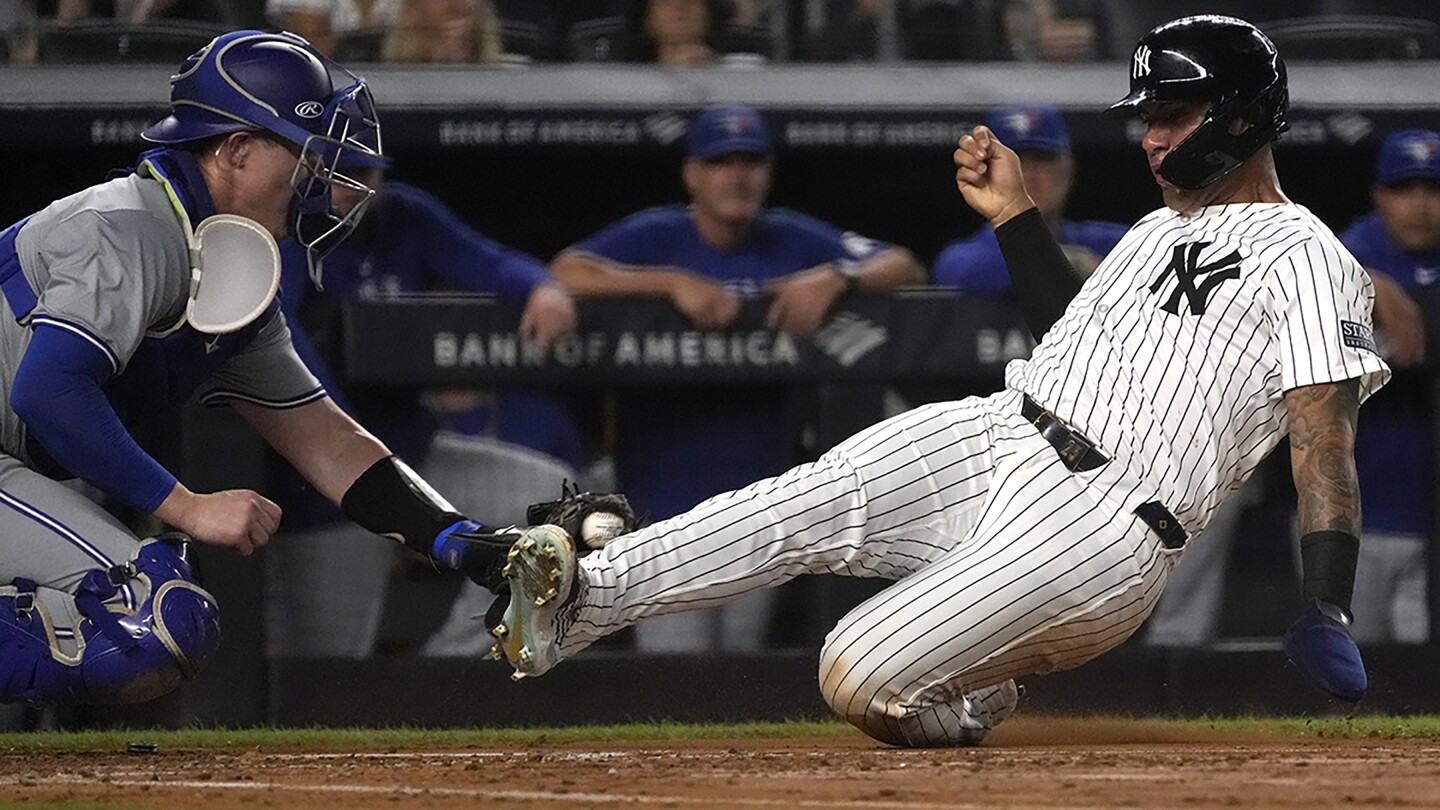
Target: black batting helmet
x: 1218, y: 59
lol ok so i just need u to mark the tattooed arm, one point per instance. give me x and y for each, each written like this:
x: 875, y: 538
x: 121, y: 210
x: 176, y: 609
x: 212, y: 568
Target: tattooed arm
x: 1322, y: 455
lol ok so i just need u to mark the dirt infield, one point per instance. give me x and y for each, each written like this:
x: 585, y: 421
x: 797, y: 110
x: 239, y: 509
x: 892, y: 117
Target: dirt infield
x: 1033, y: 762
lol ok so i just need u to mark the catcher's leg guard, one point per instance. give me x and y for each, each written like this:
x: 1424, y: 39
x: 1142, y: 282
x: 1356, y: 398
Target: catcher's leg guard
x: 122, y: 657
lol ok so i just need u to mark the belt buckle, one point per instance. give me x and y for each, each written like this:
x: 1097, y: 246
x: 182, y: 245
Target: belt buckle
x: 1074, y: 450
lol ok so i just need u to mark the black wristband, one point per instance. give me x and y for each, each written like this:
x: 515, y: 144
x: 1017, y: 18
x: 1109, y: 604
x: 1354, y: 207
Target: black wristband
x: 1042, y: 277
x: 390, y: 500
x: 1327, y: 561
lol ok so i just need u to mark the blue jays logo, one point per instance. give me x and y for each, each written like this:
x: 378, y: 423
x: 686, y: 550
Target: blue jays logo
x: 738, y: 124
x: 1022, y: 121
x: 1422, y: 150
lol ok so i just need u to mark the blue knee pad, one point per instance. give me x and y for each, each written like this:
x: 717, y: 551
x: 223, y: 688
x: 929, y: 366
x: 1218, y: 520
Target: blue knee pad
x: 122, y: 657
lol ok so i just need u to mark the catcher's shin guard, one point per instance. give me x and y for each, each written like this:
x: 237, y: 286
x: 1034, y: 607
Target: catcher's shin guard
x: 544, y: 593
x: 121, y: 657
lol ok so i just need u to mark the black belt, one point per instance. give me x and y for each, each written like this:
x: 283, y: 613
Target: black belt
x: 1078, y: 454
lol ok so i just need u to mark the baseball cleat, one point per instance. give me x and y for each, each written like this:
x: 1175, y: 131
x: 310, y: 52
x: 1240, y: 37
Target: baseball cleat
x: 541, y: 567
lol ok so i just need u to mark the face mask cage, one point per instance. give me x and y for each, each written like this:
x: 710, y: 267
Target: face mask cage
x: 352, y: 139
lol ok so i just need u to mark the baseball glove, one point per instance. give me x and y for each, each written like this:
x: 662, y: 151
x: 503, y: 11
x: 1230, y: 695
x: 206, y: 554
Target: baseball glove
x: 591, y: 518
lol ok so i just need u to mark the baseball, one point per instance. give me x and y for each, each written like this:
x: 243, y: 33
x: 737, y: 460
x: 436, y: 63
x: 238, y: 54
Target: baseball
x: 600, y: 528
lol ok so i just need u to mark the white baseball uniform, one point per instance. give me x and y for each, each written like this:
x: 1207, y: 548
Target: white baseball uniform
x: 1173, y: 360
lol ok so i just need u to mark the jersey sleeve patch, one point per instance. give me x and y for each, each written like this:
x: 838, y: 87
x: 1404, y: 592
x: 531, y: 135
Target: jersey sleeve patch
x: 1358, y: 336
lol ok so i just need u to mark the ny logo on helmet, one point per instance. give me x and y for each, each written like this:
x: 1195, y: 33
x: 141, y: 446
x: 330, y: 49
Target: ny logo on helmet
x: 309, y: 109
x: 1141, y: 67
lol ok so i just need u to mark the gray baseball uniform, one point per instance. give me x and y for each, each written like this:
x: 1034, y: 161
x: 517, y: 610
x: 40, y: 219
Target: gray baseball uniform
x: 111, y: 266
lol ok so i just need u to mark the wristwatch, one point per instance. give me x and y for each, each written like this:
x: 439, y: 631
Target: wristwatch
x: 849, y: 269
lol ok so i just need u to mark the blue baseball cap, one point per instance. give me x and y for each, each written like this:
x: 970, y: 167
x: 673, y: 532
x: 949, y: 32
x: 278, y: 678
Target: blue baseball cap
x: 1030, y: 128
x: 1407, y: 155
x: 726, y: 129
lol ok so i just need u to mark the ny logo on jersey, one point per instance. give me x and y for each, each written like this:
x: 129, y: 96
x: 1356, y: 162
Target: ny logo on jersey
x: 1185, y: 264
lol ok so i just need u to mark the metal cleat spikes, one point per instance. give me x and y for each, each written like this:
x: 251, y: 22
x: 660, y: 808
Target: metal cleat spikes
x: 499, y: 631
x: 496, y: 653
x: 517, y: 675
x: 524, y: 655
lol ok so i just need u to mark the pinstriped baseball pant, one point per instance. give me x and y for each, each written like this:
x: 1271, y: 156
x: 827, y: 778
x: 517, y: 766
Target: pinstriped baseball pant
x: 1007, y: 564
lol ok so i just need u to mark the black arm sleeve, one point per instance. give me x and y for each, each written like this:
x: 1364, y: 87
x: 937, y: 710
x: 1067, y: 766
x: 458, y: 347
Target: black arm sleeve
x: 390, y: 500
x: 1043, y: 279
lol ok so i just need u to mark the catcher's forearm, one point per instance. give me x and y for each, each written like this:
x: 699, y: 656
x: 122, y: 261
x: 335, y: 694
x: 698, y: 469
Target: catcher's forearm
x: 1043, y: 279
x: 390, y: 500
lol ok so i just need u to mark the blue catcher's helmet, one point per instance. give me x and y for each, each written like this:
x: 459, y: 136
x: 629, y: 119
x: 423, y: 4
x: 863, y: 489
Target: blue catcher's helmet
x: 250, y: 80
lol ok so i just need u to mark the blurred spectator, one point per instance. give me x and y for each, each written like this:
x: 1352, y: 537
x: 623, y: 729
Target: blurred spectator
x: 1399, y: 243
x: 130, y: 11
x: 444, y: 31
x: 18, y: 26
x: 1055, y: 30
x: 326, y: 22
x: 675, y: 447
x: 1038, y: 133
x: 501, y: 450
x: 676, y: 32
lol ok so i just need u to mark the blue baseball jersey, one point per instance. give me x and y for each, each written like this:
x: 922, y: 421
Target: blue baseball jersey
x: 974, y: 264
x: 678, y: 446
x: 1392, y: 447
x: 410, y: 242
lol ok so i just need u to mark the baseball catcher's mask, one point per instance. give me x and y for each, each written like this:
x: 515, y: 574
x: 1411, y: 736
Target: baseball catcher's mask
x: 1225, y: 61
x: 251, y: 80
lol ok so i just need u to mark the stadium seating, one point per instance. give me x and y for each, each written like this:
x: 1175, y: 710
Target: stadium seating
x: 107, y: 41
x: 1346, y: 36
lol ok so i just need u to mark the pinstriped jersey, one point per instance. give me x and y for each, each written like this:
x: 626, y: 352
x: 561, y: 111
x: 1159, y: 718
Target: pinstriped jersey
x: 1176, y: 354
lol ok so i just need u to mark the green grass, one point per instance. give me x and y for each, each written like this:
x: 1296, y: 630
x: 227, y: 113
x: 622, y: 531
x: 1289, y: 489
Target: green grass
x: 399, y: 739
x: 404, y: 738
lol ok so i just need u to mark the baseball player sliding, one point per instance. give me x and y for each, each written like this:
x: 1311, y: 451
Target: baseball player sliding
x: 1034, y: 529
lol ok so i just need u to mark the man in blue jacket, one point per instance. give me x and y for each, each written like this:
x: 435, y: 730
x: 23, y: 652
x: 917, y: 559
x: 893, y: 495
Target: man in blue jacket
x: 677, y: 447
x: 1399, y: 243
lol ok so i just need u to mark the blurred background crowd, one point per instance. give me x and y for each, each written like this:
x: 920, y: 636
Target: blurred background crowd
x: 696, y: 32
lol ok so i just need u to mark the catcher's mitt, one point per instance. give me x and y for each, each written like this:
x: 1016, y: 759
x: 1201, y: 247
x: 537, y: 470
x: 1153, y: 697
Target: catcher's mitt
x: 591, y: 518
